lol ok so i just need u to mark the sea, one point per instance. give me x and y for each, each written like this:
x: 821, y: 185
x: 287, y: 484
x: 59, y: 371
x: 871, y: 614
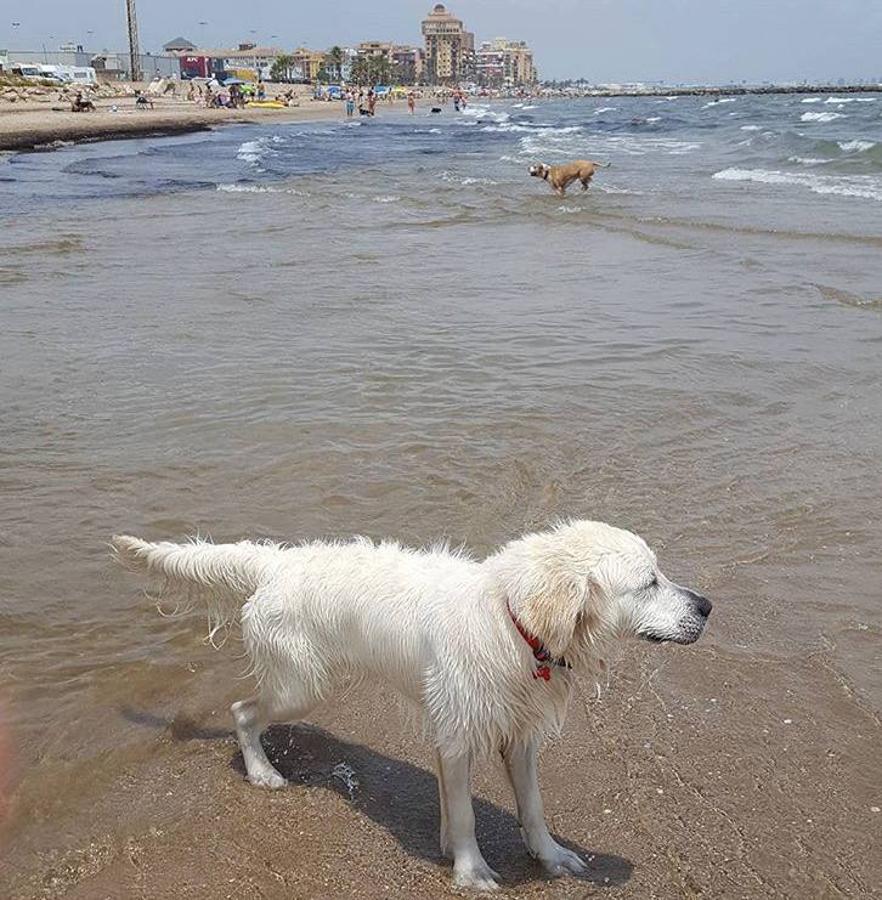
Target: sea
x: 387, y: 327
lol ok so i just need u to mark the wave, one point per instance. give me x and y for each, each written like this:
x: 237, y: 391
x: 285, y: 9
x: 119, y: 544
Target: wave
x: 523, y: 128
x: 866, y: 187
x: 631, y: 145
x: 239, y: 188
x: 808, y: 161
x: 855, y: 156
x: 453, y: 178
x: 857, y: 146
x: 254, y: 152
x: 820, y: 116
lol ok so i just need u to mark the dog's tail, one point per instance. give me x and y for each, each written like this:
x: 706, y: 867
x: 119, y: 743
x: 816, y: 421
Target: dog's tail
x: 221, y: 575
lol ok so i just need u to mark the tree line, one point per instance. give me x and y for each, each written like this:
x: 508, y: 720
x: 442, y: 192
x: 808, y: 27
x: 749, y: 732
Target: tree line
x: 365, y: 70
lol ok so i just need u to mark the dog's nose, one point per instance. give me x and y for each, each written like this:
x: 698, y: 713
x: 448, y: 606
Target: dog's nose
x: 703, y: 606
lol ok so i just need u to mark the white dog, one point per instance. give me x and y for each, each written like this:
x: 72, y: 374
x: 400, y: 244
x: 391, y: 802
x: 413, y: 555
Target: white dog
x: 487, y: 651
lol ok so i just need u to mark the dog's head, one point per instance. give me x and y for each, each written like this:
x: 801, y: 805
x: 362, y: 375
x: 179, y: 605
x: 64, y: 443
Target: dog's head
x: 586, y: 582
x: 540, y: 170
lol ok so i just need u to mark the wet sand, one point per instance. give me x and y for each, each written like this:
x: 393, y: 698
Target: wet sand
x: 676, y: 783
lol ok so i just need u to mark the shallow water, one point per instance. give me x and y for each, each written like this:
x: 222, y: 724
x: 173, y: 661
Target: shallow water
x: 386, y: 327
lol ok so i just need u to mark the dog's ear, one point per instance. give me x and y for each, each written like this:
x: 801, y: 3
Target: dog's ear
x: 552, y: 606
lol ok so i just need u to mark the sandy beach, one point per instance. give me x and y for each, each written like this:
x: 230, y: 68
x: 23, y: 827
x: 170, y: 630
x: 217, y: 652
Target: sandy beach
x: 687, y: 779
x: 29, y: 126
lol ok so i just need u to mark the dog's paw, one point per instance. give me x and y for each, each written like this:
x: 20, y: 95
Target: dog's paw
x: 559, y: 861
x: 475, y: 877
x: 268, y: 779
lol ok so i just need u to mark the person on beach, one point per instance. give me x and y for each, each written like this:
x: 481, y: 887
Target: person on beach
x: 372, y: 102
x: 411, y: 102
x: 350, y: 104
x: 81, y: 103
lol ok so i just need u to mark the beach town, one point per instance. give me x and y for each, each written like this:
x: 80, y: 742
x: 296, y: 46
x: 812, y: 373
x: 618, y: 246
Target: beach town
x: 73, y: 92
x: 186, y: 87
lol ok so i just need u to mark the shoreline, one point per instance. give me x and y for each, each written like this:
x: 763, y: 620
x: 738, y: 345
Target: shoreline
x: 39, y: 130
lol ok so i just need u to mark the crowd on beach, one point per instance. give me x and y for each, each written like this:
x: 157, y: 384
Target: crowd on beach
x: 364, y: 102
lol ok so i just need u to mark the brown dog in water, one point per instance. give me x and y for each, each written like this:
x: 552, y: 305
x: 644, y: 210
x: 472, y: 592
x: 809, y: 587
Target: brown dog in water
x: 561, y: 177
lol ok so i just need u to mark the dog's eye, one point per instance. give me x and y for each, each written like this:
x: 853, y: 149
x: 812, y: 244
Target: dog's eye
x: 653, y: 583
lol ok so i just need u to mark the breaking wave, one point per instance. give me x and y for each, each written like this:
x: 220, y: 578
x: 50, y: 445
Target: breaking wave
x: 866, y: 187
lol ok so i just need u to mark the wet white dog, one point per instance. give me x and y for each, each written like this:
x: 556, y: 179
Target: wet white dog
x: 487, y: 651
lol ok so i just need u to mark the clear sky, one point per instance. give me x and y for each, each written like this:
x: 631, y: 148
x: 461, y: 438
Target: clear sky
x: 602, y: 40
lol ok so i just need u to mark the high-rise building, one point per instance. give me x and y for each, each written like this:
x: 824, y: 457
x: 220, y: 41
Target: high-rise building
x: 406, y: 61
x: 450, y: 49
x: 504, y: 63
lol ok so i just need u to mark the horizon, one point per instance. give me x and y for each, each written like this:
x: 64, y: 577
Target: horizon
x: 632, y: 41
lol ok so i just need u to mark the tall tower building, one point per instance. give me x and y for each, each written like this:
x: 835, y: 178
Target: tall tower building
x: 450, y: 49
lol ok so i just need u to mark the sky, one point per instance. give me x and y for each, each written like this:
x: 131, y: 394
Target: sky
x: 677, y: 41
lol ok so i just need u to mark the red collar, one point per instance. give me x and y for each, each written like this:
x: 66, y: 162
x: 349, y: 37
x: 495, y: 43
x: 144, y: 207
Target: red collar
x: 542, y: 655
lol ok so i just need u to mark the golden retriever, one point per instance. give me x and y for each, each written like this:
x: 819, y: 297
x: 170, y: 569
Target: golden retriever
x: 488, y: 652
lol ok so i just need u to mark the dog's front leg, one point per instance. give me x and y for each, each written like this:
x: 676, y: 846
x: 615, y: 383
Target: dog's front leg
x: 469, y: 868
x: 520, y: 763
x: 442, y: 808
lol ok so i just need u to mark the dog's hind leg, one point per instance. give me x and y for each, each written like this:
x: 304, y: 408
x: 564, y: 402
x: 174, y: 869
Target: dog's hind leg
x: 520, y: 763
x: 292, y: 683
x: 251, y: 718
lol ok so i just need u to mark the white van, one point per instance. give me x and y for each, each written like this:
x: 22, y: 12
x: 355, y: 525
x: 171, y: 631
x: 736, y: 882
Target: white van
x: 27, y: 71
x: 80, y: 74
x: 53, y: 74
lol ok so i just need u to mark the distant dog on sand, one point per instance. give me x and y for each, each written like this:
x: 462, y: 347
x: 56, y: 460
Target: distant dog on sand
x: 561, y: 177
x: 488, y: 652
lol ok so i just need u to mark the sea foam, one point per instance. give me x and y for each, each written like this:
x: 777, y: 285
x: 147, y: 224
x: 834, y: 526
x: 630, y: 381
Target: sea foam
x: 866, y: 187
x: 820, y: 116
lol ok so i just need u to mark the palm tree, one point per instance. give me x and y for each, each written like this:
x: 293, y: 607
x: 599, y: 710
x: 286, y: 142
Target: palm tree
x: 334, y: 60
x: 281, y: 68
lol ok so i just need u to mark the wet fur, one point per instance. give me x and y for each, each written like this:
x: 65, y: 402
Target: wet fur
x: 436, y: 626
